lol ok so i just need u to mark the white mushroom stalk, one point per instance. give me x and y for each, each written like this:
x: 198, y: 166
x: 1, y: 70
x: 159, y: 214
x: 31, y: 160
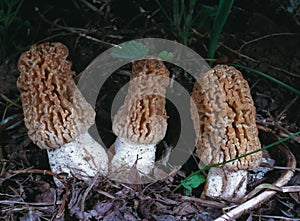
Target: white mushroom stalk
x: 127, y: 153
x: 56, y: 114
x: 141, y: 122
x: 83, y: 157
x: 223, y: 113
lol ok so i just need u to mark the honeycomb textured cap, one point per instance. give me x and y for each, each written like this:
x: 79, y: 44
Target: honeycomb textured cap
x: 142, y: 118
x: 223, y: 113
x: 55, y: 112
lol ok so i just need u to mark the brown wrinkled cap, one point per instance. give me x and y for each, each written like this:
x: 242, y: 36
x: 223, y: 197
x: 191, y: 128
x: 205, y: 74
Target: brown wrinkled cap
x: 142, y: 118
x: 224, y: 119
x: 55, y: 112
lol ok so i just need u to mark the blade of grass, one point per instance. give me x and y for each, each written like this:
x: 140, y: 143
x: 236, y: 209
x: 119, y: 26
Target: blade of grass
x: 164, y: 12
x: 202, y: 15
x: 181, y: 19
x: 223, y: 11
x: 268, y: 77
x: 183, y: 24
x: 188, y: 21
x: 12, y: 14
x: 244, y: 155
x: 176, y: 15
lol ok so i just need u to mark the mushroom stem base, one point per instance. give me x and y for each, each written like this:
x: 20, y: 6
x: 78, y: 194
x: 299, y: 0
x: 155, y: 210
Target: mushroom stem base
x: 83, y: 158
x: 224, y: 184
x: 129, y: 156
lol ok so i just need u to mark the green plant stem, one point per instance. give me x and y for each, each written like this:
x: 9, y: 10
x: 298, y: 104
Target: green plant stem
x: 164, y: 12
x: 223, y: 11
x: 11, y: 14
x: 5, y: 111
x: 244, y: 155
x: 268, y: 77
x: 182, y: 18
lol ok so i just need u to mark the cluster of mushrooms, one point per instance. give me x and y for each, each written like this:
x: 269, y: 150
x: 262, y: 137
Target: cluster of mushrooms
x: 58, y: 118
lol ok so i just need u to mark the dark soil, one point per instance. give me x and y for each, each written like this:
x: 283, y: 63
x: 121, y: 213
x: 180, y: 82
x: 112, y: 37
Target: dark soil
x: 262, y: 35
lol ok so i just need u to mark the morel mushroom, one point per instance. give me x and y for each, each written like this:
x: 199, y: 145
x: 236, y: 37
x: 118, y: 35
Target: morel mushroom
x: 142, y: 120
x: 223, y: 113
x: 56, y: 114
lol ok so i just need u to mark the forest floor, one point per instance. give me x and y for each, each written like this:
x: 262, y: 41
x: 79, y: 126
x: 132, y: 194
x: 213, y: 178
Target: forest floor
x: 263, y: 35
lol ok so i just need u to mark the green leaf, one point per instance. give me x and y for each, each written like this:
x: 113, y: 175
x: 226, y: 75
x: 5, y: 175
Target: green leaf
x: 193, y: 181
x: 165, y: 55
x: 187, y: 192
x: 132, y: 50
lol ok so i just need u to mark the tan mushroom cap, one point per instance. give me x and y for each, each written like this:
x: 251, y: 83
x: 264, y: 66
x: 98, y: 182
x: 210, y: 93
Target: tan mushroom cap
x: 55, y: 112
x: 142, y: 118
x: 224, y: 119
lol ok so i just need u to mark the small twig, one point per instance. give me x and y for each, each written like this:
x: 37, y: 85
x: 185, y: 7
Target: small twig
x: 268, y: 186
x: 278, y: 167
x: 267, y: 36
x: 86, y: 192
x: 287, y: 107
x: 254, y: 84
x: 283, y: 70
x: 257, y: 61
x: 92, y: 7
x: 238, y: 53
x: 4, y: 125
x: 79, y: 31
x: 241, y: 55
x: 136, y: 18
x: 11, y: 101
x: 263, y: 128
x: 70, y: 29
x: 282, y: 131
x: 61, y: 179
x: 275, y: 217
x: 126, y: 186
x: 106, y: 194
x: 285, y: 133
x: 53, y: 36
x: 204, y: 202
x: 99, y: 41
x: 13, y: 202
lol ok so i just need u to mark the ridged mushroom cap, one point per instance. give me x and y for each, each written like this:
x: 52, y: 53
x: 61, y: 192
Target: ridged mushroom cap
x: 142, y: 118
x: 223, y: 113
x: 55, y: 112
